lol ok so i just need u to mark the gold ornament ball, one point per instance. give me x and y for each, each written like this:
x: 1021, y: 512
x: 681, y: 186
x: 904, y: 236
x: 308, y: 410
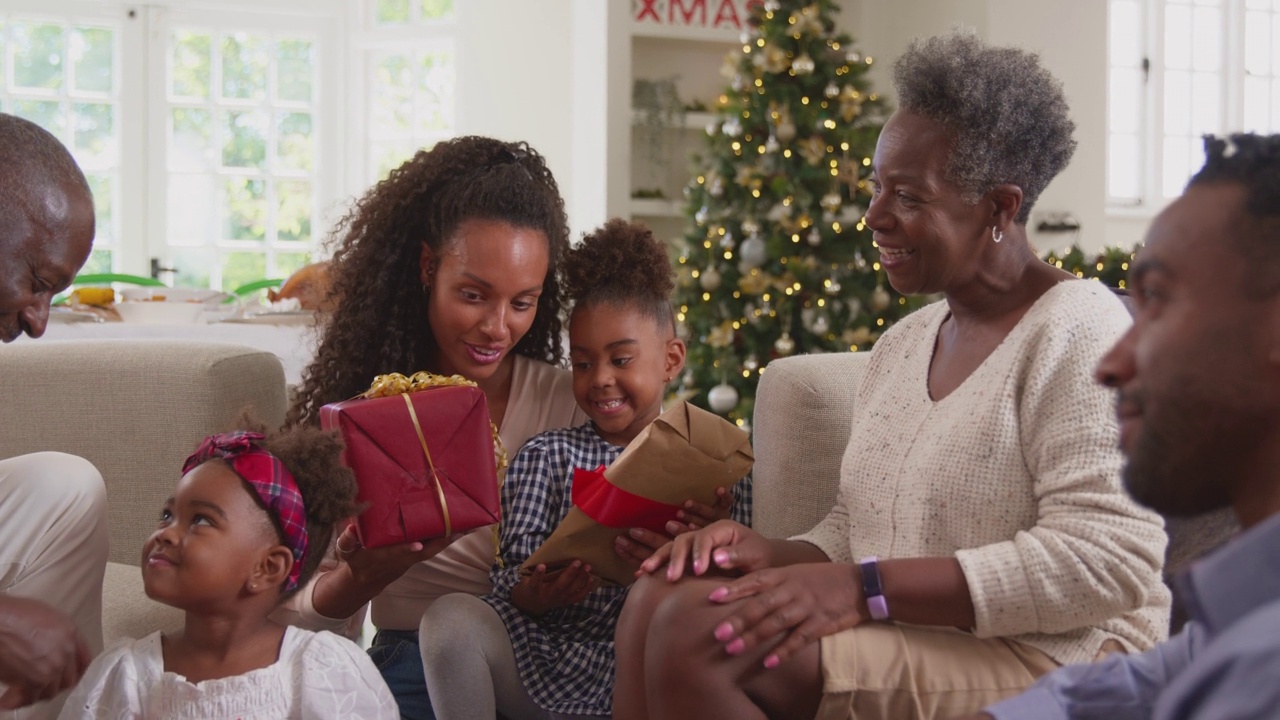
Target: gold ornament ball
x: 803, y: 65
x: 879, y: 299
x: 710, y: 279
x: 785, y: 345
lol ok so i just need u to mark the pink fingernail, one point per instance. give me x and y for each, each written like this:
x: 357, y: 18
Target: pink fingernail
x: 637, y: 533
x: 718, y: 594
x: 736, y: 647
x: 723, y: 632
x: 772, y: 662
x: 721, y: 557
x: 697, y: 566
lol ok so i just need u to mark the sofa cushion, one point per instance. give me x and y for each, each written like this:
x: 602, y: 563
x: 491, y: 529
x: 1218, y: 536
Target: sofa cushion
x: 134, y: 409
x: 803, y: 411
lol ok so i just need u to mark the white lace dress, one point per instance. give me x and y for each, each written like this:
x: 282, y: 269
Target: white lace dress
x: 318, y: 675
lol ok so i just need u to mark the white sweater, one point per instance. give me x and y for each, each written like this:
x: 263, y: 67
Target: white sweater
x: 1016, y: 474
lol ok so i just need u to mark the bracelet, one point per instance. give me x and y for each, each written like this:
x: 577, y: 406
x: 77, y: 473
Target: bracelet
x: 872, y: 589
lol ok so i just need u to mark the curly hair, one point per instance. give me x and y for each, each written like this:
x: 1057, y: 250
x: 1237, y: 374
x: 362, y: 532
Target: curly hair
x: 622, y: 263
x: 314, y: 458
x: 1007, y: 115
x: 380, y: 324
x: 1252, y: 161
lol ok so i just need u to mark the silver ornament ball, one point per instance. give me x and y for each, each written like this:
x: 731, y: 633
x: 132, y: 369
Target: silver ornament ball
x: 722, y: 398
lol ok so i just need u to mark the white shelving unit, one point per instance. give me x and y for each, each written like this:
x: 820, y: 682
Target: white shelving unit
x: 692, y: 57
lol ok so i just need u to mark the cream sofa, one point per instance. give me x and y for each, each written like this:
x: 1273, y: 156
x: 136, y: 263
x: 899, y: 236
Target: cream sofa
x: 802, y: 418
x: 135, y: 410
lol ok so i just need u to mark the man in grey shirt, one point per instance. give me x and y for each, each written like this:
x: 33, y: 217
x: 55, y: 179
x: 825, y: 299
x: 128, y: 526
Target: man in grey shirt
x: 1198, y: 399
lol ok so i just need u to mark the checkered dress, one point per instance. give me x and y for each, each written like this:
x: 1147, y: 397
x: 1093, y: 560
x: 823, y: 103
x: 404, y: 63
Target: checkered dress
x: 566, y: 656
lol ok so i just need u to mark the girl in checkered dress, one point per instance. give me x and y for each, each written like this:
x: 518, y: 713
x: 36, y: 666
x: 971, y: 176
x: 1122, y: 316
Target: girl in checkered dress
x: 541, y: 645
x: 246, y: 526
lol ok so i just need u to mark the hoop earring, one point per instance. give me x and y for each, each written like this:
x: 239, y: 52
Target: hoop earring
x: 996, y: 234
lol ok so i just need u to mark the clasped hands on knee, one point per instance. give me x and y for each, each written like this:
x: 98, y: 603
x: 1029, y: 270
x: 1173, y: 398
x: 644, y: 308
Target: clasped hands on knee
x: 776, y: 587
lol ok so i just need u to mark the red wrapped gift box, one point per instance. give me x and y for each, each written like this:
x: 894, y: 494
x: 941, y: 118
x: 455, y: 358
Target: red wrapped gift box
x: 424, y: 462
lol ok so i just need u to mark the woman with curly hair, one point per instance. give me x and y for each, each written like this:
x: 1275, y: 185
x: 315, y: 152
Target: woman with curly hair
x: 541, y: 645
x: 981, y: 535
x: 448, y: 265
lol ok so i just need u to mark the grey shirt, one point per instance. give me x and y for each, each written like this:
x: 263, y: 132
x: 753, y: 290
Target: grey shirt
x: 1224, y: 664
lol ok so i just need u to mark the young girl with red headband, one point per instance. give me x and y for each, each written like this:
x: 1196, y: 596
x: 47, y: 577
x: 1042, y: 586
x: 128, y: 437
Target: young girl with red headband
x: 541, y: 644
x: 246, y: 526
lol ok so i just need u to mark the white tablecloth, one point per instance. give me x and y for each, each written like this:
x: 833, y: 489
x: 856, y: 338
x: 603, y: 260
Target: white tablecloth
x: 293, y: 344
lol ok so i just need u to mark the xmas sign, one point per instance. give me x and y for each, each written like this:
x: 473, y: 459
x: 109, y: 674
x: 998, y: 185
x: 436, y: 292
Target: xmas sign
x: 711, y: 14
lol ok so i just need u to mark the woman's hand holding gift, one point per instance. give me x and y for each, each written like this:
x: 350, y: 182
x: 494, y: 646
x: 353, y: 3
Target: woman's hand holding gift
x: 365, y: 572
x: 802, y: 602
x: 542, y: 591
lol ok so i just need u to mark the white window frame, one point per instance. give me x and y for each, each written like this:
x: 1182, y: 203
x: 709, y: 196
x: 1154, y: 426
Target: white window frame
x: 1152, y: 129
x: 141, y: 74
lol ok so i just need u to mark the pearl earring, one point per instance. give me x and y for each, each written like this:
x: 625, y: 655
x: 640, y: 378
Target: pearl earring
x: 996, y: 234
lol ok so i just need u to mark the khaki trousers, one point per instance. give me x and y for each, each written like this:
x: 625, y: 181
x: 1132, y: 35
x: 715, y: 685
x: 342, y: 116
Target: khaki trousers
x: 53, y: 544
x: 899, y: 672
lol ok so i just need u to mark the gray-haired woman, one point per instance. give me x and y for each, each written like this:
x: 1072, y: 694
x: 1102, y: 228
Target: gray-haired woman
x: 982, y: 466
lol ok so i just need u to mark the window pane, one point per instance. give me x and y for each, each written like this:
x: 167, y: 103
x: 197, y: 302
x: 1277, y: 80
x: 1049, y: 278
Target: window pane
x: 194, y: 266
x: 246, y: 209
x: 46, y: 114
x: 99, y: 262
x: 1177, y: 103
x: 294, y: 63
x: 192, y: 145
x: 241, y: 268
x: 392, y: 12
x: 1177, y: 164
x: 37, y: 55
x: 1257, y: 104
x: 1208, y: 39
x: 1124, y: 166
x: 95, y: 137
x: 1126, y: 100
x: 1275, y: 38
x: 437, y: 9
x: 389, y: 156
x: 1257, y: 43
x: 103, y: 200
x: 1125, y: 33
x: 288, y: 263
x: 293, y: 141
x: 1177, y: 37
x: 245, y: 139
x: 392, y: 97
x: 191, y: 66
x: 244, y: 67
x: 92, y: 53
x: 435, y: 96
x: 1207, y: 108
x: 293, y: 215
x: 191, y: 209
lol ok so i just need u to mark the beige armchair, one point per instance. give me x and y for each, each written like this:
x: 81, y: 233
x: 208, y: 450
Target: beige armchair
x: 135, y: 410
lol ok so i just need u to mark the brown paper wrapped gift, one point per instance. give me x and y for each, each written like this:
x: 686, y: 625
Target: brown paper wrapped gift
x: 686, y: 453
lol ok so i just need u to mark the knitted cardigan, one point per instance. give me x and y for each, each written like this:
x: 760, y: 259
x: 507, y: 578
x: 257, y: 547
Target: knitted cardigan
x: 1016, y: 474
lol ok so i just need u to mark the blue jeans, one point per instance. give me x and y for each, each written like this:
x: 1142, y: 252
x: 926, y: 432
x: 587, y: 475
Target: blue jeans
x: 395, y: 653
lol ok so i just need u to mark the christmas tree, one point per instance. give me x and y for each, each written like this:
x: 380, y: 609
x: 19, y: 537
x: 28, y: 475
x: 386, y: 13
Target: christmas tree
x: 777, y: 258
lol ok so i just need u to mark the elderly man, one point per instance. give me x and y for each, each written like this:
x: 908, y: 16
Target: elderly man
x: 1198, y: 384
x: 53, y: 535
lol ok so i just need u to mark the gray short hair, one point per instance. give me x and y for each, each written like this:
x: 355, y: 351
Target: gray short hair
x: 1007, y: 115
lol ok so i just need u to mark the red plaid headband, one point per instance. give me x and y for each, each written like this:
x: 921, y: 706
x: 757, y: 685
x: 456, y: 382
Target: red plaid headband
x: 269, y: 478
